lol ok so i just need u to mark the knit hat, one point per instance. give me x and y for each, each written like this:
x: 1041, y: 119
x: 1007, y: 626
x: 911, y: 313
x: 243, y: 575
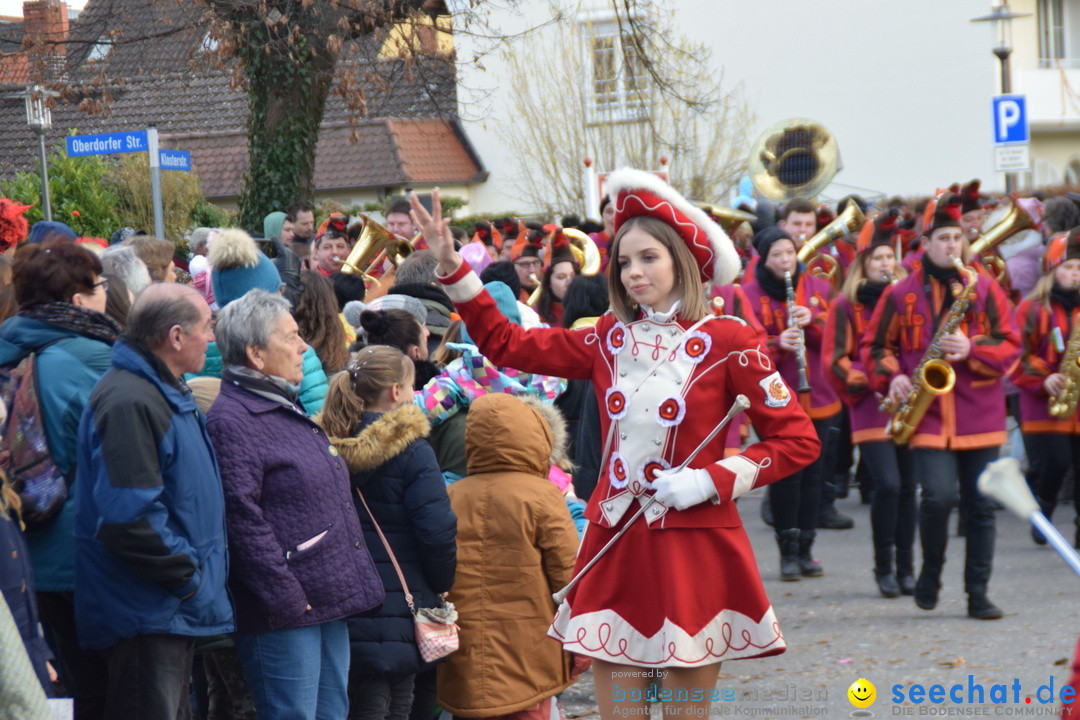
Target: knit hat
x: 765, y: 239
x: 638, y: 193
x: 1062, y: 247
x: 879, y: 230
x: 943, y: 211
x: 506, y: 302
x: 239, y: 266
x: 13, y: 223
x: 50, y: 230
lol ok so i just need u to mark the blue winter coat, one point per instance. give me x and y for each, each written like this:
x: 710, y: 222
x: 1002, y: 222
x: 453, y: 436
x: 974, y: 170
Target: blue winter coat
x: 294, y: 539
x: 67, y: 372
x: 17, y: 586
x: 395, y: 468
x: 150, y: 527
x: 312, y: 388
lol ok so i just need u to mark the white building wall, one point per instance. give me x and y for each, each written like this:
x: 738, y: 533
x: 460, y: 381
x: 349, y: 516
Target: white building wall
x: 904, y: 87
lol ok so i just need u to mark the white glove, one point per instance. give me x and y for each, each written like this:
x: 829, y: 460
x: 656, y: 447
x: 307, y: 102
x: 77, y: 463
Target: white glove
x: 682, y: 489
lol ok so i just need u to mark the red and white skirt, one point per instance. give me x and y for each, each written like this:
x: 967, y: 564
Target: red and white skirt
x: 670, y: 597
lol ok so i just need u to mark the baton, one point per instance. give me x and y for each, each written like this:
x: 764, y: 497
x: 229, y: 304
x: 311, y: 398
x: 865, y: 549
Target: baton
x: 1003, y: 481
x: 741, y: 403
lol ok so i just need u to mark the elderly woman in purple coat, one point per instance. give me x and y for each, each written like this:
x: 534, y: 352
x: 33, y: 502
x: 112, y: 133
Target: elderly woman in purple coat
x: 297, y: 561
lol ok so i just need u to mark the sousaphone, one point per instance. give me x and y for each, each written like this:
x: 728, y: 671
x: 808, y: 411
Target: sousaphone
x: 794, y: 158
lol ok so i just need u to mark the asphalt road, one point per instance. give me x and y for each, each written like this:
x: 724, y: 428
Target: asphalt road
x: 839, y: 629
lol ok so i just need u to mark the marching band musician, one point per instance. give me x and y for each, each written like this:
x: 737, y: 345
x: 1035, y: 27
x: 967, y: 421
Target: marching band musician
x: 665, y: 370
x: 947, y: 455
x: 795, y: 500
x: 1047, y: 319
x: 892, y: 509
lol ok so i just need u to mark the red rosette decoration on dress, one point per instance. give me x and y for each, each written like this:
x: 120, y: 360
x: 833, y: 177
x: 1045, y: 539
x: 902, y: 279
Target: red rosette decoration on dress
x: 615, y: 402
x: 648, y: 469
x: 671, y: 411
x: 618, y: 472
x: 616, y: 338
x: 695, y: 346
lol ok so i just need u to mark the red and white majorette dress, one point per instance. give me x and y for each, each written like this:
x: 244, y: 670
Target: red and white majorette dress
x: 680, y: 588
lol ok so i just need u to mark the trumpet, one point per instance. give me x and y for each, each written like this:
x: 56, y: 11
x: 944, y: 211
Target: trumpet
x: 800, y: 353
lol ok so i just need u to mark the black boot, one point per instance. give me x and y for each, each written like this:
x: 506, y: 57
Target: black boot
x: 808, y: 566
x: 883, y: 573
x: 905, y: 573
x: 980, y: 607
x: 927, y: 587
x: 788, y: 540
x: 832, y: 519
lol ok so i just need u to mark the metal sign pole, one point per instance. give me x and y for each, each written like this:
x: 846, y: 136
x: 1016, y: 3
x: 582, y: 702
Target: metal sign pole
x: 155, y: 180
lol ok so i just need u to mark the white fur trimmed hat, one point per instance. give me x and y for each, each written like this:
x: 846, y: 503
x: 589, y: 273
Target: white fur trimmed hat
x: 637, y: 192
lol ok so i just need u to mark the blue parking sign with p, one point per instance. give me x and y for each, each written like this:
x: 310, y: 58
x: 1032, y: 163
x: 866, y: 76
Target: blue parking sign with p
x: 1010, y: 119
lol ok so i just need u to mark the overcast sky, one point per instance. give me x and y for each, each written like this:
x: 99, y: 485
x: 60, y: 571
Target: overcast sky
x: 14, y: 7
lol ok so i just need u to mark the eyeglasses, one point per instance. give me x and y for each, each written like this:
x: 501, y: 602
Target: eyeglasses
x: 103, y: 283
x: 527, y: 263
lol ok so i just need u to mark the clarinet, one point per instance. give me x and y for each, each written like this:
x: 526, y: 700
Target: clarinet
x: 800, y: 352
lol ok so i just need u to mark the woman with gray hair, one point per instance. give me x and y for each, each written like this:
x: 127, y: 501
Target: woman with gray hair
x: 298, y: 562
x: 119, y: 262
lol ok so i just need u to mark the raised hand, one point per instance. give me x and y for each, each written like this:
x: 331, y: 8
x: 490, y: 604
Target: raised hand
x: 436, y: 232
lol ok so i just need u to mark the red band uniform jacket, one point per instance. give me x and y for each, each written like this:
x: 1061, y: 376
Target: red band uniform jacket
x: 899, y: 335
x: 1041, y: 328
x: 813, y: 293
x: 846, y: 371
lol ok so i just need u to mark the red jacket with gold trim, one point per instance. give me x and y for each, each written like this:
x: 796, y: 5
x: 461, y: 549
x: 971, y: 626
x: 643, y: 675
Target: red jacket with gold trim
x: 898, y: 336
x: 662, y: 386
x: 1041, y: 331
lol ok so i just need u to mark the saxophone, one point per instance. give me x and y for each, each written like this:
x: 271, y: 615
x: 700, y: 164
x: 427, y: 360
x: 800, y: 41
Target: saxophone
x: 1063, y: 406
x: 934, y: 375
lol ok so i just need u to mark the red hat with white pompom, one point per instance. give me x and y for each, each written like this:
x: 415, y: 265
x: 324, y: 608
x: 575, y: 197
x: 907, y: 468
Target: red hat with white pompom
x: 638, y: 193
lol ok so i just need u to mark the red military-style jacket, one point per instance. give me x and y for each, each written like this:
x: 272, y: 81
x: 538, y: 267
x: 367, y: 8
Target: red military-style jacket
x: 1043, y: 330
x: 662, y: 386
x: 844, y: 330
x: 813, y: 293
x: 972, y: 415
x: 731, y: 300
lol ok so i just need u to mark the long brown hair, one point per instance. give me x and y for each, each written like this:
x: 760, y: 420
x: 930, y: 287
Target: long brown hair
x: 369, y: 373
x: 687, y: 275
x: 857, y: 273
x: 317, y: 317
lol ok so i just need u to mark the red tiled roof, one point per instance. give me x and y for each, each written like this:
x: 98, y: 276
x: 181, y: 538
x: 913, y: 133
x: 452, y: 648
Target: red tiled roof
x: 432, y: 151
x: 384, y: 152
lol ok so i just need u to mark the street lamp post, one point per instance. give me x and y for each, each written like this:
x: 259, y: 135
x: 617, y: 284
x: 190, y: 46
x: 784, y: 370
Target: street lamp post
x: 1002, y: 16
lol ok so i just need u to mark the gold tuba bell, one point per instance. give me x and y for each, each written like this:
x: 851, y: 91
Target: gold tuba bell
x: 375, y: 245
x: 585, y: 252
x: 794, y: 158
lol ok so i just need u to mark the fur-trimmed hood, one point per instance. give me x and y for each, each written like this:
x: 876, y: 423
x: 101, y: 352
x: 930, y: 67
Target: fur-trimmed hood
x: 384, y: 439
x: 505, y: 433
x: 557, y: 423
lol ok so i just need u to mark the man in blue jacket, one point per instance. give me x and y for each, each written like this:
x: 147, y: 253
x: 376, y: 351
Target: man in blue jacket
x: 150, y: 564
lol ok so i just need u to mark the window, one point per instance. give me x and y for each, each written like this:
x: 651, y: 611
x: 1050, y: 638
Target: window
x: 100, y: 51
x: 1051, y: 32
x: 617, y: 77
x: 209, y: 44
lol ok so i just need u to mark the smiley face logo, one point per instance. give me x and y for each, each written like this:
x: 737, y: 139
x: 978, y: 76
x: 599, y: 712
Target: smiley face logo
x: 862, y: 693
